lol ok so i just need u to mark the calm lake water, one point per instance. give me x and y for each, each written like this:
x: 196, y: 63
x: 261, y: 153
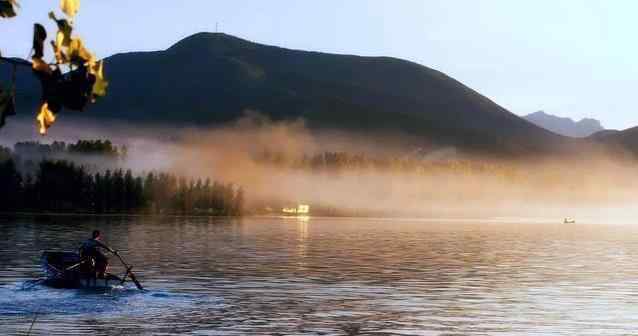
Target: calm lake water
x: 326, y: 276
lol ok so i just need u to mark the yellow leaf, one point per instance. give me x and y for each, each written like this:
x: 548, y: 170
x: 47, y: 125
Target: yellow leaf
x: 100, y: 85
x: 45, y: 118
x: 70, y: 7
x: 63, y: 38
x: 60, y: 56
x: 59, y: 39
x: 77, y: 51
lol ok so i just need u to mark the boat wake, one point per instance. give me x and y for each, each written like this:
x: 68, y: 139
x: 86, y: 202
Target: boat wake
x: 33, y: 297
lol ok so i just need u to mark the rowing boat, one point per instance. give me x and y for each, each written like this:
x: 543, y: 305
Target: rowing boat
x: 65, y: 270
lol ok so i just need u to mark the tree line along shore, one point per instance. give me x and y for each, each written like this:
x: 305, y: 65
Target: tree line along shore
x: 35, y: 180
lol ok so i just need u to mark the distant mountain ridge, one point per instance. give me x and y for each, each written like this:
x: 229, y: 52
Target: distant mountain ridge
x: 625, y: 141
x: 565, y: 126
x: 209, y: 79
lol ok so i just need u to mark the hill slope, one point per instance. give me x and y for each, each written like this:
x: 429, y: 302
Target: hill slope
x: 211, y: 78
x: 625, y: 141
x: 565, y: 126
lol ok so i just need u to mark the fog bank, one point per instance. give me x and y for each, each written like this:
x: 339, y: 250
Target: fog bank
x: 419, y: 181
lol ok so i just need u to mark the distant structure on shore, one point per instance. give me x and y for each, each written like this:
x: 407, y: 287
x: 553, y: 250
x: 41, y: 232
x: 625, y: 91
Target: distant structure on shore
x: 300, y: 210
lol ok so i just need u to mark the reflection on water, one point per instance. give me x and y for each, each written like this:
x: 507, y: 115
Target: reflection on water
x: 321, y: 276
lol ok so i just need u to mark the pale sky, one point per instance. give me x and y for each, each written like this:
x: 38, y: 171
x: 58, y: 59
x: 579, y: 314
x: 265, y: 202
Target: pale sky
x: 573, y: 58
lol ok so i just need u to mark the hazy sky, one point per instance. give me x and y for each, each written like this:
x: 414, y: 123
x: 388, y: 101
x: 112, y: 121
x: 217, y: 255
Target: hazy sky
x: 570, y: 58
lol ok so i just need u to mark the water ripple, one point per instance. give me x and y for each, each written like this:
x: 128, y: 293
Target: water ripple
x: 331, y: 277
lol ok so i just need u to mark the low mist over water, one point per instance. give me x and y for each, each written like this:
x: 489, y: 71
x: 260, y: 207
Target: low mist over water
x: 321, y: 276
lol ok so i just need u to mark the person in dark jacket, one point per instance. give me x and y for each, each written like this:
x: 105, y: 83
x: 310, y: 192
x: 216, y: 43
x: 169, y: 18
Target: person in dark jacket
x: 91, y: 250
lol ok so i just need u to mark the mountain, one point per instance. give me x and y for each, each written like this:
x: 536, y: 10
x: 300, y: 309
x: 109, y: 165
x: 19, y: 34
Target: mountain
x: 625, y: 141
x: 212, y: 78
x: 565, y: 126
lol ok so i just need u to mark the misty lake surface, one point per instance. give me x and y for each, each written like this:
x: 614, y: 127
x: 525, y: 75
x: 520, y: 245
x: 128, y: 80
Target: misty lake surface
x: 330, y: 276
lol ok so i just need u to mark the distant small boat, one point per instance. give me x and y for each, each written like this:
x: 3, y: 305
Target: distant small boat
x: 64, y: 270
x: 569, y: 220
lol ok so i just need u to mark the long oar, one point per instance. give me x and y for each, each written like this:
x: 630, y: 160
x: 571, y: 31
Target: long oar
x: 75, y: 266
x: 129, y: 272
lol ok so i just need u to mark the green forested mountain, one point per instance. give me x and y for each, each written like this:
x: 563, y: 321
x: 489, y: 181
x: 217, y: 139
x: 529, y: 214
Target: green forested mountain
x: 211, y: 78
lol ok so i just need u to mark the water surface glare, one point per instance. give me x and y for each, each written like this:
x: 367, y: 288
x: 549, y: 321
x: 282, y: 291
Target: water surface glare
x: 328, y: 276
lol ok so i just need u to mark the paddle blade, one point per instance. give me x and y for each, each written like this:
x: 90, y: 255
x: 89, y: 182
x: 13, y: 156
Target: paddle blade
x: 128, y: 272
x: 137, y: 283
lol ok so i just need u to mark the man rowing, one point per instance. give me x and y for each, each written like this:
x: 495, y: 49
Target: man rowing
x: 90, y: 251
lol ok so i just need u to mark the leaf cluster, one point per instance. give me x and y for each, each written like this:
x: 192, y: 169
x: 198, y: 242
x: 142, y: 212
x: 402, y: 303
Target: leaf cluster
x: 72, y: 81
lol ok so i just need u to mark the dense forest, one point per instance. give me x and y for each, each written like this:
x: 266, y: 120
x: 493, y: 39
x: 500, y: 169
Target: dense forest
x: 93, y: 155
x: 86, y: 147
x: 415, y: 163
x: 57, y: 185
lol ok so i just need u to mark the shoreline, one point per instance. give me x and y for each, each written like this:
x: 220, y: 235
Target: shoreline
x: 88, y: 214
x: 438, y: 218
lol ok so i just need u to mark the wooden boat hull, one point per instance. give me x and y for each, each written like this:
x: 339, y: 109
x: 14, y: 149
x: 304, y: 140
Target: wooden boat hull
x: 61, y: 273
x: 88, y: 283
